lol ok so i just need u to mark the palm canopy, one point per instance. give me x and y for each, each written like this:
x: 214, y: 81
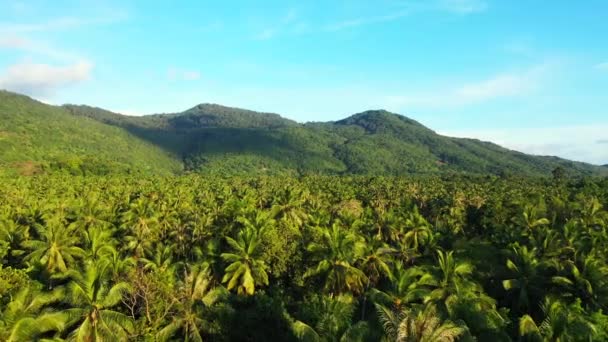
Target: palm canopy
x: 245, y: 270
x: 56, y: 249
x: 337, y: 253
x: 422, y: 325
x: 91, y: 299
x: 28, y: 315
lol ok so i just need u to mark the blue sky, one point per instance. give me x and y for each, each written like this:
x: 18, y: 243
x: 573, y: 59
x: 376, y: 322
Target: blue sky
x: 531, y: 75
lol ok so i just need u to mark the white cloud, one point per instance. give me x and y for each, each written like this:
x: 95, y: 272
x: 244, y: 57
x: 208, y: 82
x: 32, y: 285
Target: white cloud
x: 579, y: 142
x: 284, y: 23
x: 19, y: 43
x: 176, y: 74
x: 345, y: 24
x: 43, y: 79
x: 63, y: 23
x: 602, y: 66
x: 266, y: 34
x: 463, y: 6
x: 510, y: 84
x: 407, y: 8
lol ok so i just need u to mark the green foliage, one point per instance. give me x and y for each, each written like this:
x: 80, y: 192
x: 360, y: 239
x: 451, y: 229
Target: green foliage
x: 37, y: 138
x: 312, y: 258
x: 217, y: 140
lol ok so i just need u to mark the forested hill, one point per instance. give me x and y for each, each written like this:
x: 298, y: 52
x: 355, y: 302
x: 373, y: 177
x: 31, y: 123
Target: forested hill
x: 211, y: 138
x: 36, y: 137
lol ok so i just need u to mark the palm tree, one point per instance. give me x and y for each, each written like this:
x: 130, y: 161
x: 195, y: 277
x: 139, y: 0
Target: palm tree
x: 418, y: 326
x: 561, y: 323
x: 140, y: 222
x: 13, y: 235
x: 56, y: 249
x: 585, y: 279
x: 404, y: 289
x: 449, y: 278
x: 337, y: 254
x: 246, y: 270
x: 417, y: 231
x: 526, y: 277
x: 27, y: 315
x: 195, y: 294
x: 91, y: 299
x: 334, y: 322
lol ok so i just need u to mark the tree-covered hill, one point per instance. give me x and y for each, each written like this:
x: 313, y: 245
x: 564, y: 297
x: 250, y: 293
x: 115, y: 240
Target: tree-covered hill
x: 210, y: 138
x: 35, y: 137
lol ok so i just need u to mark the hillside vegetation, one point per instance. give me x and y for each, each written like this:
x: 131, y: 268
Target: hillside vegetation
x: 35, y: 137
x: 213, y: 139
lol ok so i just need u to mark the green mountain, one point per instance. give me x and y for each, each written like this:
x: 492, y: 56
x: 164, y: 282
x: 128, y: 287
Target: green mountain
x: 211, y: 138
x: 35, y: 137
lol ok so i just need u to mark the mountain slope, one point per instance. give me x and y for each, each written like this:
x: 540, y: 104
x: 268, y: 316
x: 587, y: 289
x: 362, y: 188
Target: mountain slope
x: 35, y: 136
x: 214, y: 139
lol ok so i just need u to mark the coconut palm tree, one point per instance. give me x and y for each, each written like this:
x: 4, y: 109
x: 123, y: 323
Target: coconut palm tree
x: 561, y: 322
x: 449, y: 278
x: 337, y: 256
x: 195, y: 294
x: 91, y: 299
x: 56, y: 248
x: 28, y: 315
x: 334, y: 321
x: 526, y: 277
x: 418, y: 325
x: 245, y: 270
x: 13, y: 235
x: 585, y: 279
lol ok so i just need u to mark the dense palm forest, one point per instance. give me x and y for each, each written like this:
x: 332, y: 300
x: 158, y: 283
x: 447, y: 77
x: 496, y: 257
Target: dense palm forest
x: 316, y: 258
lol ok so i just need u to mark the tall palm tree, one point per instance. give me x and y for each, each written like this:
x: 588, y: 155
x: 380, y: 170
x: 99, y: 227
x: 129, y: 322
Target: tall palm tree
x: 27, y: 315
x: 338, y: 254
x: 140, y: 223
x: 418, y: 325
x: 91, y: 298
x: 417, y: 231
x: 586, y: 279
x: 526, y: 277
x: 561, y: 323
x: 246, y: 270
x: 56, y: 248
x: 449, y: 278
x: 404, y: 289
x: 334, y: 322
x: 13, y: 235
x: 195, y: 294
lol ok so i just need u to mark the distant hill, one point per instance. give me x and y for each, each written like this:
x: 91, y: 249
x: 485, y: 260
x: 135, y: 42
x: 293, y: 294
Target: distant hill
x: 35, y: 137
x: 210, y: 138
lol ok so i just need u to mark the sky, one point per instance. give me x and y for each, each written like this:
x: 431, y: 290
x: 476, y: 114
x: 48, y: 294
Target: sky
x: 530, y: 75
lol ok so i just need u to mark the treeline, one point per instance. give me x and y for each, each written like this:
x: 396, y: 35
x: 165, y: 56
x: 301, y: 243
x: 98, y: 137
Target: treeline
x: 314, y: 258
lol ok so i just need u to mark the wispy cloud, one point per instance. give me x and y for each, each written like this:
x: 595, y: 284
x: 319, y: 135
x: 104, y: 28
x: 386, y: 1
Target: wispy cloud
x: 509, y: 84
x: 177, y: 74
x: 602, y: 66
x: 578, y: 142
x: 407, y: 8
x: 349, y: 23
x: 287, y: 20
x: 463, y: 6
x: 13, y: 42
x: 63, y: 23
x: 39, y: 79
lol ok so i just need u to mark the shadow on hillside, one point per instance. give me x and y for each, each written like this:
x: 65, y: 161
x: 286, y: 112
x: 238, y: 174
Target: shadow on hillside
x: 281, y: 145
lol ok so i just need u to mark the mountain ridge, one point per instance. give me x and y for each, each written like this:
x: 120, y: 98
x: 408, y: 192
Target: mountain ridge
x: 219, y: 139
